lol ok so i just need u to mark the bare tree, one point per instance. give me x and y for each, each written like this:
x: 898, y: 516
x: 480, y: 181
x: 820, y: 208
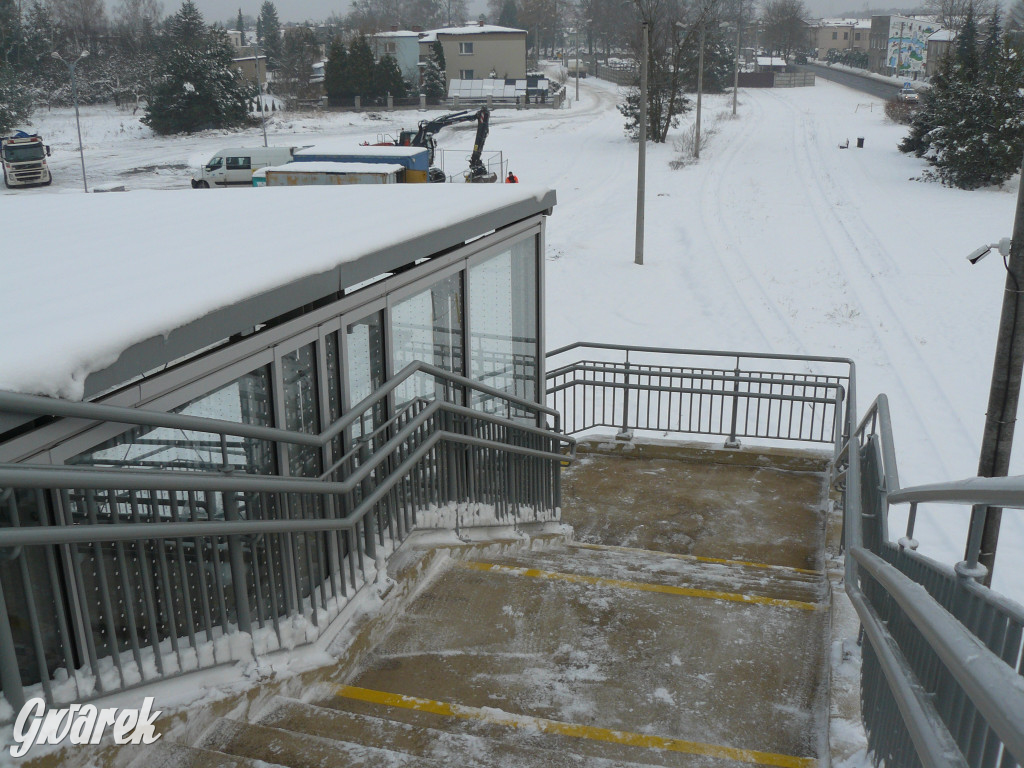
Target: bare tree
x: 784, y: 27
x: 81, y: 23
x: 136, y: 15
x: 951, y: 14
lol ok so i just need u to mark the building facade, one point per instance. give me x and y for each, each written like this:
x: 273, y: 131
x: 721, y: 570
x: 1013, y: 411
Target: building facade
x: 479, y: 52
x: 404, y: 46
x: 840, y: 35
x: 899, y: 45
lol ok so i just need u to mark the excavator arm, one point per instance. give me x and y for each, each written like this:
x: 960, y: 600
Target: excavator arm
x: 424, y: 137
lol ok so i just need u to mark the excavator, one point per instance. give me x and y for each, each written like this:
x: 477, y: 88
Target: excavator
x: 424, y: 137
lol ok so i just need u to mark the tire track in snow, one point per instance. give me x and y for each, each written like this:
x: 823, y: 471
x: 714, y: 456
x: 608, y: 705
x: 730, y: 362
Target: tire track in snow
x: 731, y: 255
x: 840, y: 242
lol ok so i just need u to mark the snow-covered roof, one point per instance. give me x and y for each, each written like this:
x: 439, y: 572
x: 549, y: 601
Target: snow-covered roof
x: 348, y: 147
x: 396, y: 33
x: 131, y: 281
x: 943, y: 36
x: 320, y: 166
x: 770, y: 61
x: 472, y: 29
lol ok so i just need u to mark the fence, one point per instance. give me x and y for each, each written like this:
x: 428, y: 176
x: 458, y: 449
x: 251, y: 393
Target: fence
x: 617, y: 75
x: 110, y: 578
x: 732, y: 394
x: 793, y: 79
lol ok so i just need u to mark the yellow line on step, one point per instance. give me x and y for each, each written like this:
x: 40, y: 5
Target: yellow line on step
x: 543, y: 725
x: 641, y: 586
x: 698, y: 558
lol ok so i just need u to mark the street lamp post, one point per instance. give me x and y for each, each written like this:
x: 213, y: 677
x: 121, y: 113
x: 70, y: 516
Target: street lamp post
x: 585, y: 21
x: 74, y: 97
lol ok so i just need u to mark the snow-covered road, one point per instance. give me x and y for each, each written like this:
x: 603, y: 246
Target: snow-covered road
x: 777, y: 240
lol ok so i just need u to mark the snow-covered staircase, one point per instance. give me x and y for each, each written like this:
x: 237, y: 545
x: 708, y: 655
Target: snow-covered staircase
x: 579, y: 653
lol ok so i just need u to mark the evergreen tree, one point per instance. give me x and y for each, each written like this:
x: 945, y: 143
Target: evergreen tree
x: 361, y: 69
x: 437, y: 53
x: 336, y: 80
x: 508, y: 16
x: 10, y: 32
x: 298, y: 56
x: 388, y: 78
x: 15, y: 99
x: 967, y: 47
x: 197, y: 87
x: 269, y: 26
x: 435, y: 81
x: 718, y: 61
x: 970, y: 126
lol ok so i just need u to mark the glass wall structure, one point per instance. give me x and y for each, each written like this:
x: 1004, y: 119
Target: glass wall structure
x: 473, y: 310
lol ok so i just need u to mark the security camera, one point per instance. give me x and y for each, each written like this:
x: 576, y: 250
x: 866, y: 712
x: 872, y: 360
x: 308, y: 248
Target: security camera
x: 978, y: 254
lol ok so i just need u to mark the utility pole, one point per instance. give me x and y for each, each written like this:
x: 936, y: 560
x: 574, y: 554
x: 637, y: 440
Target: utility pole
x: 700, y: 87
x: 1001, y: 416
x: 642, y: 160
x: 577, y: 63
x: 259, y: 91
x: 736, y: 63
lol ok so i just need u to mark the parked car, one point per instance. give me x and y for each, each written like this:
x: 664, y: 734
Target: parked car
x: 907, y: 94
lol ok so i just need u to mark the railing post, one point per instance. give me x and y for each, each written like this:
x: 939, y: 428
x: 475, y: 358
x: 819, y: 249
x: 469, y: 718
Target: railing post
x: 733, y: 442
x: 971, y: 568
x: 10, y: 675
x: 237, y: 565
x: 370, y: 519
x: 625, y: 433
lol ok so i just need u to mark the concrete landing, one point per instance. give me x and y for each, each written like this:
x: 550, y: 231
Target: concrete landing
x: 746, y: 505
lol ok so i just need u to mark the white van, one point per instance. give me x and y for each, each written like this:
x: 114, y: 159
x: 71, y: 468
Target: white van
x: 234, y: 167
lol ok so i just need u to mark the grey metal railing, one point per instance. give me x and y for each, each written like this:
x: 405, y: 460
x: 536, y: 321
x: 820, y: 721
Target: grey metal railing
x: 705, y: 392
x: 943, y: 657
x: 114, y: 577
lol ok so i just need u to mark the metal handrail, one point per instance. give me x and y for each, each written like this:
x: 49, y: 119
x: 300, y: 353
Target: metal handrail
x: 769, y: 397
x: 706, y: 352
x: 47, y: 406
x: 992, y: 685
x: 377, y: 475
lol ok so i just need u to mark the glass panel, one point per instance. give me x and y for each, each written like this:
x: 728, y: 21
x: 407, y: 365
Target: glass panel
x: 244, y: 401
x: 365, y: 369
x: 428, y: 327
x: 298, y: 373
x: 503, y: 323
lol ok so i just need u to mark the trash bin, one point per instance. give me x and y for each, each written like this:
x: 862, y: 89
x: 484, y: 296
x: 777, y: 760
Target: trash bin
x: 860, y: 142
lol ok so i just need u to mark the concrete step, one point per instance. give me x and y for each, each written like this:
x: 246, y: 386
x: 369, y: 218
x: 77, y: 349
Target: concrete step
x: 735, y: 675
x: 671, y: 570
x: 300, y: 750
x: 169, y: 754
x: 581, y: 746
x: 506, y: 748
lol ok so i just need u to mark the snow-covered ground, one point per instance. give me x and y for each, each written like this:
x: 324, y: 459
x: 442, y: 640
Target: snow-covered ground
x: 777, y: 240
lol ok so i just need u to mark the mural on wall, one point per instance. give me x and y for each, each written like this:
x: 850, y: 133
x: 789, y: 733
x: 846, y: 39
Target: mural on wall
x: 908, y: 43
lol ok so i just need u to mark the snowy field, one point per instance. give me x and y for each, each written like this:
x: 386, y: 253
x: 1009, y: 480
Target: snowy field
x: 776, y: 241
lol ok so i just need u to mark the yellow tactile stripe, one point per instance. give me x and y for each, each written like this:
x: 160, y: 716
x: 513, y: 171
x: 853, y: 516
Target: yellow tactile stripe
x: 497, y: 717
x: 641, y: 586
x: 698, y: 558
